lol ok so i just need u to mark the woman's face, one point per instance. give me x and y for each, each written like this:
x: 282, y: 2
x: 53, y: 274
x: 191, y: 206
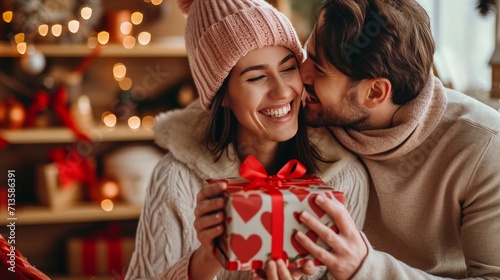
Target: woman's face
x: 264, y: 93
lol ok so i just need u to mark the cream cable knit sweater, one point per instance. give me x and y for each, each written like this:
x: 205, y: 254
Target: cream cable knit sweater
x: 166, y: 237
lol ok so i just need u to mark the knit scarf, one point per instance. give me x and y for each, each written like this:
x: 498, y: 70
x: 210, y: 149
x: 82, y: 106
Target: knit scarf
x: 412, y: 123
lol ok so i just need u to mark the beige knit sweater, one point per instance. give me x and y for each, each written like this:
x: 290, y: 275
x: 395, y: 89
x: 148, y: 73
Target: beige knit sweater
x: 434, y: 207
x: 166, y: 237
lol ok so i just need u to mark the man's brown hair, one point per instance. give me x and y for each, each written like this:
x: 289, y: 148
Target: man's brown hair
x: 377, y: 39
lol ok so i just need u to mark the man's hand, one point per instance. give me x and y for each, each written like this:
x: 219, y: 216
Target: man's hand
x: 348, y: 249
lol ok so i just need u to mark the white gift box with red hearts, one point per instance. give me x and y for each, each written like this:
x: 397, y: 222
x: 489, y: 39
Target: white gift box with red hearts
x: 248, y: 238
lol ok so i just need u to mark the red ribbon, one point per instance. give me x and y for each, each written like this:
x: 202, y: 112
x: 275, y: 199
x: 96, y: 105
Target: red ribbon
x: 73, y: 167
x: 42, y: 100
x: 252, y: 170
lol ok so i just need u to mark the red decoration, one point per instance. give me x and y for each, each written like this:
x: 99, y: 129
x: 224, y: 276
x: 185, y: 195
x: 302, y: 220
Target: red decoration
x: 73, y: 167
x: 42, y: 100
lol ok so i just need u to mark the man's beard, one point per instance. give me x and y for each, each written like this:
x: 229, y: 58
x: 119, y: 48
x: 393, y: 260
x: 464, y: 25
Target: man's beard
x: 347, y: 114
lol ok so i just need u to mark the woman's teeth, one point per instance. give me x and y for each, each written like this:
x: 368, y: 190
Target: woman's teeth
x: 277, y: 112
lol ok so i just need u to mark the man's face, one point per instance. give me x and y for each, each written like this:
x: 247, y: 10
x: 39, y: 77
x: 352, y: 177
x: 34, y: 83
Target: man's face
x: 332, y: 100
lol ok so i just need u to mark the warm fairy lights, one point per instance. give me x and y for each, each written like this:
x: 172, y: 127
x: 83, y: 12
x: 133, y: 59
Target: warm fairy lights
x: 119, y: 71
x: 7, y: 16
x: 21, y: 48
x: 129, y: 42
x: 136, y: 18
x: 134, y: 122
x: 156, y: 2
x: 109, y: 119
x: 86, y: 12
x: 148, y: 122
x: 43, y: 30
x: 107, y: 205
x: 144, y: 38
x: 103, y: 37
x: 126, y: 27
x: 56, y: 30
x: 19, y: 38
x: 73, y: 26
x: 125, y: 84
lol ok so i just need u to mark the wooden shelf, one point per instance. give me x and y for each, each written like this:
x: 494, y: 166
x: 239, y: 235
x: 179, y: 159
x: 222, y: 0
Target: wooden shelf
x: 171, y: 47
x: 64, y: 135
x: 89, y: 212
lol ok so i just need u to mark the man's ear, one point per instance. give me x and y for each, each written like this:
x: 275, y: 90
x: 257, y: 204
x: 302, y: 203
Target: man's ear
x: 380, y: 91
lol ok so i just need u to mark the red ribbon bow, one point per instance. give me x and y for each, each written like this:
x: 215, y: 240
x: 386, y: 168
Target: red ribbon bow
x: 42, y: 100
x: 73, y: 167
x: 251, y: 169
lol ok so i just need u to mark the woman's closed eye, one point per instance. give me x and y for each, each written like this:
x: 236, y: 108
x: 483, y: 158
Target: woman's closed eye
x: 255, y: 79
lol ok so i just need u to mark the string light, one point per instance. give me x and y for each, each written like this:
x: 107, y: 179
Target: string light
x: 103, y: 37
x: 19, y: 38
x: 129, y: 42
x: 21, y: 48
x: 109, y: 119
x: 156, y: 2
x: 73, y: 26
x: 7, y: 16
x: 126, y: 27
x: 107, y: 205
x: 144, y: 38
x: 43, y: 30
x: 134, y: 122
x: 92, y: 42
x: 86, y: 12
x: 148, y: 122
x: 136, y: 18
x: 119, y: 71
x: 125, y: 84
x: 56, y: 30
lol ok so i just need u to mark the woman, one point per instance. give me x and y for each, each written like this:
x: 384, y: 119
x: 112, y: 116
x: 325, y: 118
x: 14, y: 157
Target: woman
x: 244, y: 58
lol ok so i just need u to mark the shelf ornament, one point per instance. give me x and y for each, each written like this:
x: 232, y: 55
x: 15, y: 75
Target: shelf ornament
x: 42, y: 100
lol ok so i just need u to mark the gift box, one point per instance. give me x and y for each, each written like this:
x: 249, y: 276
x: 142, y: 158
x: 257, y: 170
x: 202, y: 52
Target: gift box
x: 99, y: 255
x: 262, y: 215
x: 66, y: 179
x: 51, y: 193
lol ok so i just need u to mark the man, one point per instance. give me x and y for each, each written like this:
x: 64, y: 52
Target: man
x: 434, y: 207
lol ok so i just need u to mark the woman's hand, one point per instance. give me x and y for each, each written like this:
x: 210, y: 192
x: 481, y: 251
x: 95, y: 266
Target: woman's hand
x: 277, y: 270
x: 209, y: 217
x: 348, y: 249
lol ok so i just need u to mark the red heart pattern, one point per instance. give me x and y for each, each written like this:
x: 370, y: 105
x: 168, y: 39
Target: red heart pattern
x: 318, y: 210
x: 300, y: 193
x: 247, y: 207
x: 300, y: 250
x: 265, y: 219
x: 296, y: 215
x: 245, y: 249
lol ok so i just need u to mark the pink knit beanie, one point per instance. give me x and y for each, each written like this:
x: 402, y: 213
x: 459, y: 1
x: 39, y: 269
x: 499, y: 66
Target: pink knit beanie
x: 220, y: 32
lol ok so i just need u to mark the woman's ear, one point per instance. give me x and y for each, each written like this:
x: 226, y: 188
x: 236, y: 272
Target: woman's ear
x: 380, y: 91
